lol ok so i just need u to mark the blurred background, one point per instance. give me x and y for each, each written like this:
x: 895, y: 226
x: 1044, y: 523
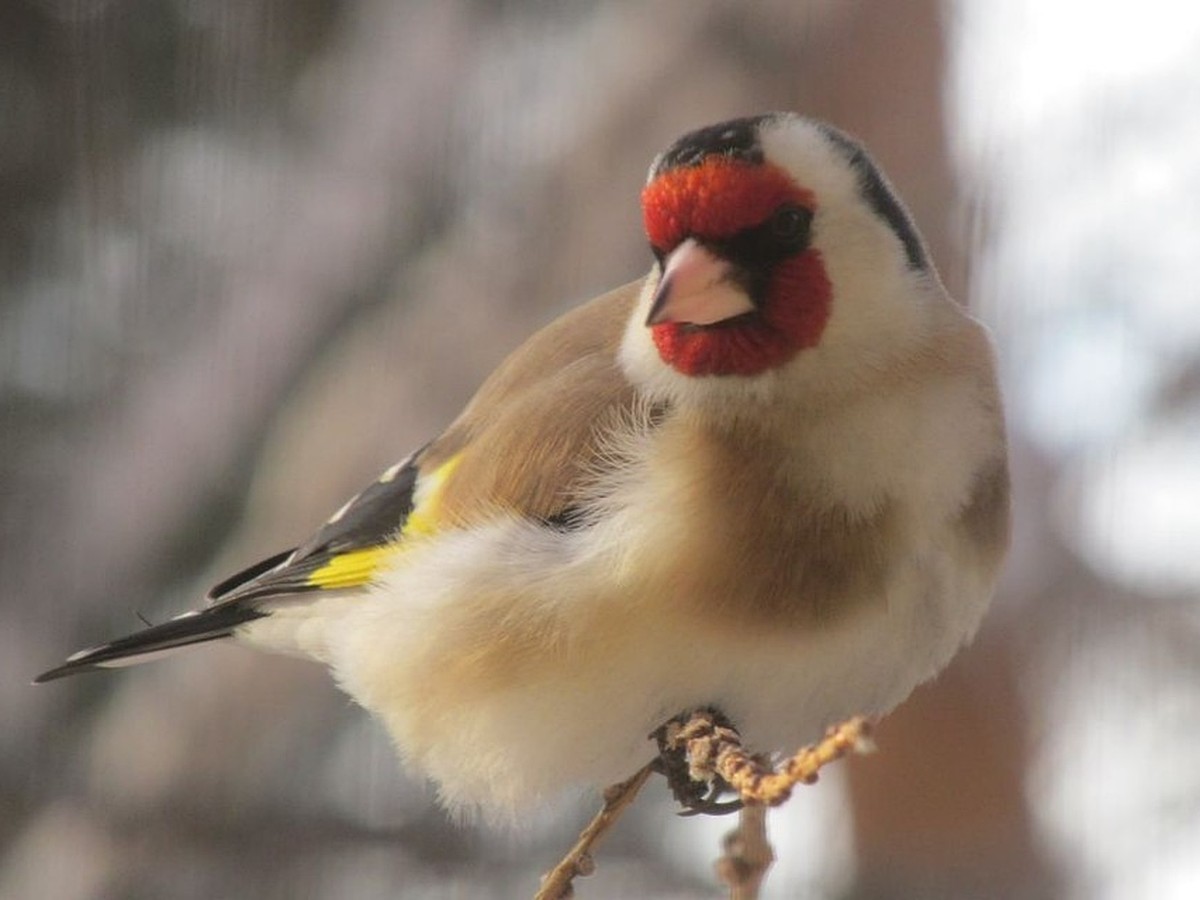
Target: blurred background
x: 252, y: 251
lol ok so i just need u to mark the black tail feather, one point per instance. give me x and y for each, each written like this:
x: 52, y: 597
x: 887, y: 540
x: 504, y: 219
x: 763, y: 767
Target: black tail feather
x: 191, y: 628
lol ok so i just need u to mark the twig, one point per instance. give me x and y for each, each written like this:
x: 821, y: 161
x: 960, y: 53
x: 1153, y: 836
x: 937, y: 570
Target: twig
x: 556, y: 884
x: 715, y: 755
x: 748, y: 854
x: 701, y: 756
x: 714, y: 749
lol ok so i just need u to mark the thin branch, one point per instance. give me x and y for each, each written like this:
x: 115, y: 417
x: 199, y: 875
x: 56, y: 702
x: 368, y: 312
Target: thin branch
x: 556, y: 884
x: 715, y: 755
x: 714, y: 750
x: 748, y: 854
x: 701, y: 756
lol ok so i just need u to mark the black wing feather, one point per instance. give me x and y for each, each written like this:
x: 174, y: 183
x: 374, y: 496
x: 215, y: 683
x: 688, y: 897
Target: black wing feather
x: 372, y: 518
x: 192, y: 628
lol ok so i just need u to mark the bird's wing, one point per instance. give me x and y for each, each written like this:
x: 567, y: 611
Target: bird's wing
x: 526, y: 445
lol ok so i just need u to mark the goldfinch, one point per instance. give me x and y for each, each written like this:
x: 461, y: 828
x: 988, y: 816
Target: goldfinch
x: 769, y: 477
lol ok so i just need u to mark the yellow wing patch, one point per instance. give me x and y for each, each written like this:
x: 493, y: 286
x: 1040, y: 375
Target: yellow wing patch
x: 425, y: 518
x: 355, y: 568
x: 350, y: 569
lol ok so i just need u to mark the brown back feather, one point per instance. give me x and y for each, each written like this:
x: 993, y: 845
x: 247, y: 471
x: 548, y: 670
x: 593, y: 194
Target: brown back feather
x: 528, y: 438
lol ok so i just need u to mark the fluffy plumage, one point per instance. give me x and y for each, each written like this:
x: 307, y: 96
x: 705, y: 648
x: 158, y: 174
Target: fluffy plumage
x: 770, y: 477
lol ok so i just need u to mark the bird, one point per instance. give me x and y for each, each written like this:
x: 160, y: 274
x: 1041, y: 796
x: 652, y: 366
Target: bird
x: 768, y: 478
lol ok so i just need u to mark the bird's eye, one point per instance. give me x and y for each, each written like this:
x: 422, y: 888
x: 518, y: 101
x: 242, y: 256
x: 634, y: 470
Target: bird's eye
x: 790, y: 224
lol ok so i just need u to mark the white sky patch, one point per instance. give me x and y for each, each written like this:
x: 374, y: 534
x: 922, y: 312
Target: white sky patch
x: 1025, y: 61
x: 1130, y: 835
x: 1079, y: 119
x: 1083, y: 380
x: 1140, y: 515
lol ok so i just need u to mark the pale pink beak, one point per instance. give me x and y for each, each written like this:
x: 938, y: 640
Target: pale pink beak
x: 697, y: 288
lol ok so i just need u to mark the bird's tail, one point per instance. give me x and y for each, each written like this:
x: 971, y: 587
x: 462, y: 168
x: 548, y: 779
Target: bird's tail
x: 149, y: 643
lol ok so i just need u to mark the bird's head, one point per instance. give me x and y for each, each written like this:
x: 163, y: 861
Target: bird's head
x: 783, y: 257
